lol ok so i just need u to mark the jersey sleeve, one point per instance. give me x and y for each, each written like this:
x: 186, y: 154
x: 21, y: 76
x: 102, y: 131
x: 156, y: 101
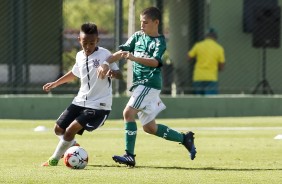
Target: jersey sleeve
x: 160, y: 49
x: 129, y: 44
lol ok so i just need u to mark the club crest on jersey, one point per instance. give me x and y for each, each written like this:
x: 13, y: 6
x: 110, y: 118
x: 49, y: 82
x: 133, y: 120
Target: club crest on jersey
x: 96, y: 63
x: 152, y: 46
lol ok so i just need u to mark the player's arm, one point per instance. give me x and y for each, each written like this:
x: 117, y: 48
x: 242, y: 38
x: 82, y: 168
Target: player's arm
x: 64, y: 79
x: 104, y: 68
x: 151, y: 62
x: 115, y: 74
x: 115, y: 57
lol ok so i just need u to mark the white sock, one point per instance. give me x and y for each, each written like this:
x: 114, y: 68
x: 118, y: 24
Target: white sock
x: 61, y: 148
x: 61, y: 137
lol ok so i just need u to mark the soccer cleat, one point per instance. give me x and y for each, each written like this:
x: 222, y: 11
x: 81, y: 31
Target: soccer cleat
x: 51, y: 162
x: 127, y: 159
x: 188, y: 142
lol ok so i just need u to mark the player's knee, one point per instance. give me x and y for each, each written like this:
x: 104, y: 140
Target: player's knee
x: 128, y: 115
x: 149, y: 130
x: 58, y: 131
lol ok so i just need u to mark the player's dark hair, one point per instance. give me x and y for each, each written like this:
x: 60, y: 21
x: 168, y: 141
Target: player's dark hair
x: 89, y: 28
x: 153, y: 13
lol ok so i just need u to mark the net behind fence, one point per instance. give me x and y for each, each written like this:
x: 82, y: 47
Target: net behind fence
x: 38, y: 41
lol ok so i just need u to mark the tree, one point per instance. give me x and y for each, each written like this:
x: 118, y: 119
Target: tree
x: 101, y: 12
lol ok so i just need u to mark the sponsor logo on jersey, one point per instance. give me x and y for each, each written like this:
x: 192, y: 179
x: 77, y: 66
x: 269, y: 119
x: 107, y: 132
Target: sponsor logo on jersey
x: 152, y: 46
x: 140, y: 82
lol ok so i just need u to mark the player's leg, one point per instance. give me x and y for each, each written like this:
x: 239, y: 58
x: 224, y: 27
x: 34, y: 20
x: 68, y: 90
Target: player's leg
x: 63, y: 122
x: 64, y: 143
x: 129, y: 114
x: 163, y: 131
x: 65, y: 119
x: 167, y: 133
x: 87, y: 119
x: 133, y: 106
x: 67, y: 140
x: 147, y: 118
x: 128, y: 158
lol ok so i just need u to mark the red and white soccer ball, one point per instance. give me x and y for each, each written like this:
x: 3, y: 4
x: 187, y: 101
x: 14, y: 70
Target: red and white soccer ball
x: 76, y: 157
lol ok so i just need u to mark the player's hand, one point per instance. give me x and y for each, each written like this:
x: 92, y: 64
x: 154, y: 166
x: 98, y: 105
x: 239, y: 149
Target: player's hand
x: 114, y: 74
x: 110, y: 74
x: 102, y: 71
x: 127, y: 55
x: 47, y: 87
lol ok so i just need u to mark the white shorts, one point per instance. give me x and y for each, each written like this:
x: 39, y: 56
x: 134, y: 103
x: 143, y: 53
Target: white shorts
x: 148, y: 101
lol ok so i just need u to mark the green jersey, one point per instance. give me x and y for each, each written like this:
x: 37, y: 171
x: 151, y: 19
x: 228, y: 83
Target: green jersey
x: 142, y: 45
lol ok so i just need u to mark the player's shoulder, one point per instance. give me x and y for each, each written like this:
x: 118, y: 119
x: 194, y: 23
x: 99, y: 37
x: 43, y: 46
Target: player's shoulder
x: 80, y: 54
x: 102, y: 49
x: 139, y: 33
x: 101, y: 52
x: 161, y: 39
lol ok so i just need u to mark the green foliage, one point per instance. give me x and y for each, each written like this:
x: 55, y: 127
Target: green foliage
x: 224, y: 156
x: 102, y: 12
x: 68, y: 60
x: 78, y: 12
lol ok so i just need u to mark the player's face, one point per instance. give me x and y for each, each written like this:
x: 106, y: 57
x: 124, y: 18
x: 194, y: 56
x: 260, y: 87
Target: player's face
x: 88, y: 42
x: 149, y: 26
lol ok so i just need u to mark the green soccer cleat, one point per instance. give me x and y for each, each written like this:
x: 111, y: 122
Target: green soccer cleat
x: 51, y: 162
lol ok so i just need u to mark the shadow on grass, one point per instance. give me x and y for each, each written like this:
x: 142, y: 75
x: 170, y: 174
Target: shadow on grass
x: 188, y: 168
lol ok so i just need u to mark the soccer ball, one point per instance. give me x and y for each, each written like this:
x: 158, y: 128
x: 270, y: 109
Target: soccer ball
x: 76, y: 158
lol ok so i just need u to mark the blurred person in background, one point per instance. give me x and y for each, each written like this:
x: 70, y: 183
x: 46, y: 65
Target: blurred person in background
x: 210, y: 59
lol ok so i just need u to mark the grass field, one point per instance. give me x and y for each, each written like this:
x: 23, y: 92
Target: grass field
x: 230, y: 150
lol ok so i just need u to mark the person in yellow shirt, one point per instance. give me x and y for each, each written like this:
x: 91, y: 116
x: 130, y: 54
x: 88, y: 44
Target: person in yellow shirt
x: 210, y: 59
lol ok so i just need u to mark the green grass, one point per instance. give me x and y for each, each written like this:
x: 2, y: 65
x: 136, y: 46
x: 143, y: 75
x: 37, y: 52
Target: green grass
x: 224, y: 155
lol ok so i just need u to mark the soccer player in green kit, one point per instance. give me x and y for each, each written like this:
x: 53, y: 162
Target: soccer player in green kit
x: 145, y: 49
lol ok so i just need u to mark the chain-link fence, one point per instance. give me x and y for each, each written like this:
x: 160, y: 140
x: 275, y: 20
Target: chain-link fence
x: 38, y: 41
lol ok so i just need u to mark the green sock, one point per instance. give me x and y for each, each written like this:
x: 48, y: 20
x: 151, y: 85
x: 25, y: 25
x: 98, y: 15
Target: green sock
x: 130, y: 136
x: 169, y: 134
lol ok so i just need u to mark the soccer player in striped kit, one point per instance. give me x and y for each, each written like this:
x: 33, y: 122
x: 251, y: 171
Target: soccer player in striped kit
x: 145, y: 49
x: 92, y: 105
